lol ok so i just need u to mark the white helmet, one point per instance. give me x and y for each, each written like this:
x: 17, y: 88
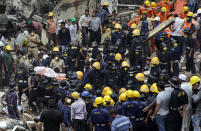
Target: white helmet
x: 199, y: 11
x: 3, y: 125
x: 26, y: 33
x: 1, y: 44
x: 157, y: 18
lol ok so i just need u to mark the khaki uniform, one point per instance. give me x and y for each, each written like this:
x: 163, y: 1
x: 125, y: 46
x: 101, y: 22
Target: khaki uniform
x: 33, y: 47
x: 57, y: 64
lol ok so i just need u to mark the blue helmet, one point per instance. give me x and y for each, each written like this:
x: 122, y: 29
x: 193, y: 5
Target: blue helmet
x: 85, y: 94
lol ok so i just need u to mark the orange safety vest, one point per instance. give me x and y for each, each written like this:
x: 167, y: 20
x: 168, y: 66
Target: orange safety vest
x: 147, y: 9
x: 168, y: 31
x: 168, y: 5
x: 155, y: 11
x: 186, y: 25
x: 135, y: 20
x: 163, y: 17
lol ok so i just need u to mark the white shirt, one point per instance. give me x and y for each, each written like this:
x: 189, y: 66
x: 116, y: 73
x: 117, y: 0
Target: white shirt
x: 73, y: 32
x: 188, y: 89
x: 177, y: 27
x: 83, y: 21
x: 194, y: 35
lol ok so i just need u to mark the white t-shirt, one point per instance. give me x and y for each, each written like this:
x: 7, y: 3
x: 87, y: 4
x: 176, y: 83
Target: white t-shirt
x: 177, y: 27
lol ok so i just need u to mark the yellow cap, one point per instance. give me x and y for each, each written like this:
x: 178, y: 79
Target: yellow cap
x: 55, y: 49
x: 163, y: 9
x: 118, y: 57
x: 194, y: 79
x: 129, y: 93
x: 155, y: 60
x: 122, y: 90
x: 147, y: 3
x: 140, y: 77
x: 99, y: 100
x: 136, y: 94
x: 79, y: 75
x: 154, y: 88
x: 105, y: 3
x: 105, y: 89
x: 109, y: 92
x: 88, y: 86
x: 107, y: 98
x: 96, y: 65
x: 8, y: 47
x: 125, y: 64
x: 75, y: 95
x: 133, y: 26
x: 117, y: 26
x: 185, y: 8
x: 51, y: 14
x: 190, y: 14
x: 122, y: 97
x: 153, y: 4
x: 144, y: 88
x: 136, y: 32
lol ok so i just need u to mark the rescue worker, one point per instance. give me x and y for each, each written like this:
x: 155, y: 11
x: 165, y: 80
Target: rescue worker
x: 136, y: 20
x: 106, y: 43
x: 163, y: 15
x: 95, y: 51
x: 100, y: 117
x: 144, y: 91
x: 109, y: 58
x: 61, y: 90
x: 140, y: 80
x: 146, y: 8
x: 81, y: 56
x: 118, y: 48
x: 67, y: 61
x: 167, y: 4
x: 130, y: 34
x: 51, y: 29
x: 154, y: 9
x: 190, y: 48
x: 72, y: 54
x: 118, y: 60
x: 155, y: 71
x: 39, y: 61
x: 122, y: 99
x: 177, y: 106
x: 34, y: 42
x: 11, y: 100
x: 189, y: 24
x: 139, y: 59
x: 57, y: 64
x: 108, y: 102
x: 124, y: 72
x: 184, y: 12
x: 22, y: 81
x: 119, y: 34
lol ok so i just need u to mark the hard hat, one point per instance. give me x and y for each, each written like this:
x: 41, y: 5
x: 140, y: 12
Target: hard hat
x: 136, y: 32
x: 55, y: 49
x: 155, y: 61
x: 182, y: 77
x: 122, y: 97
x: 29, y: 22
x: 153, y: 4
x: 190, y: 14
x: 79, y: 75
x: 51, y: 14
x: 136, y: 94
x: 144, y: 88
x: 96, y: 65
x: 73, y: 19
x: 107, y: 98
x: 117, y: 26
x: 187, y: 30
x: 157, y: 18
x: 75, y: 95
x: 154, y: 88
x: 85, y: 94
x: 163, y: 9
x: 106, y: 89
x: 133, y: 26
x: 1, y: 44
x: 140, y: 77
x: 125, y: 64
x: 199, y: 11
x: 122, y: 90
x: 8, y: 47
x: 118, y: 57
x: 185, y: 8
x: 147, y: 3
x: 105, y: 3
x: 88, y: 86
x: 99, y: 100
x: 174, y: 81
x: 108, y: 93
x: 194, y: 79
x: 129, y: 93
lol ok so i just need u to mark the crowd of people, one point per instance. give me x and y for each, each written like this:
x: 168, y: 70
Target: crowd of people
x: 105, y: 88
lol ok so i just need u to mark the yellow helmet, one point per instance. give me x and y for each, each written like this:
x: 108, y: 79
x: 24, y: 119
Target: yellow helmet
x: 75, y: 95
x: 8, y: 47
x: 96, y: 65
x: 122, y: 97
x: 140, y: 77
x: 79, y: 75
x: 144, y: 88
x: 136, y: 32
x: 105, y: 3
x: 129, y: 93
x: 136, y: 94
x: 88, y: 86
x: 107, y: 98
x: 118, y: 57
x: 163, y: 9
x: 194, y: 79
x: 51, y: 14
x: 147, y: 3
x: 122, y: 90
x: 99, y: 100
x: 133, y: 26
x: 55, y: 49
x: 117, y: 26
x: 153, y: 4
x: 125, y: 64
x: 190, y: 14
x: 154, y: 88
x: 107, y: 88
x: 108, y: 93
x: 185, y: 8
x: 155, y: 61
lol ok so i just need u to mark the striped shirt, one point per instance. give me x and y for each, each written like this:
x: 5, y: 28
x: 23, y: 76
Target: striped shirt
x: 121, y: 123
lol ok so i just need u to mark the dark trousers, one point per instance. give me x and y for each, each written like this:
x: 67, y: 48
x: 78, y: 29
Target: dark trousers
x: 78, y: 125
x: 85, y: 36
x: 33, y: 98
x: 52, y: 37
x: 190, y: 65
x: 95, y: 36
x: 179, y: 40
x: 20, y: 88
x: 174, y: 121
